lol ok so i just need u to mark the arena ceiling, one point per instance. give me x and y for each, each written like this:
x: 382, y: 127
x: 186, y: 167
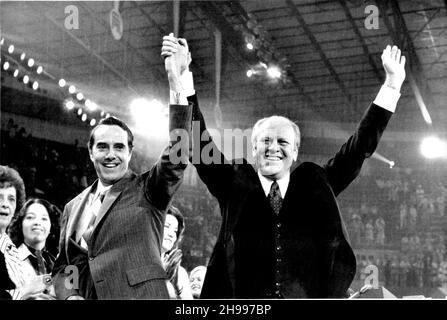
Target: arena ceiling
x: 328, y: 52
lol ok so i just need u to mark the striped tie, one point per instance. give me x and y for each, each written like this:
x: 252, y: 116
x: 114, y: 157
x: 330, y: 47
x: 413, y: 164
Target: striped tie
x: 88, y: 233
x: 275, y: 198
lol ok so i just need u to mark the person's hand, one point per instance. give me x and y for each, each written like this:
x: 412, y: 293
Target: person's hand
x: 394, y: 65
x: 35, y: 285
x: 177, y: 59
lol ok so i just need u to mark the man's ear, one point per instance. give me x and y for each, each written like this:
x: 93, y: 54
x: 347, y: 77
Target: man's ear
x: 253, y: 150
x: 295, y: 153
x: 90, y: 153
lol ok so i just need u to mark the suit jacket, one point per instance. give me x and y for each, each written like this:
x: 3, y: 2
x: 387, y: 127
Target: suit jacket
x: 304, y: 251
x: 123, y: 258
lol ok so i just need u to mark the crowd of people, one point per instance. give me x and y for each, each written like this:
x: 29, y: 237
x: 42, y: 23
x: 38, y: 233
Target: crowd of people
x: 30, y: 223
x: 411, y: 222
x: 401, y: 222
x: 151, y: 230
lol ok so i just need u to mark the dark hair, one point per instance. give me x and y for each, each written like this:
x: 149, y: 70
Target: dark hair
x: 181, y: 223
x: 9, y: 177
x: 52, y: 242
x: 111, y: 121
x: 174, y: 256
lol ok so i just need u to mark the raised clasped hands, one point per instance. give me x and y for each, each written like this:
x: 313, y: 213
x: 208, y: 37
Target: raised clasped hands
x: 394, y: 65
x: 177, y: 57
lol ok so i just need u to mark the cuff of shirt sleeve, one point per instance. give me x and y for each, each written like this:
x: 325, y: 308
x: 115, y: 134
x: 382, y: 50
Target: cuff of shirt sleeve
x: 188, y: 83
x: 178, y: 98
x: 387, y: 98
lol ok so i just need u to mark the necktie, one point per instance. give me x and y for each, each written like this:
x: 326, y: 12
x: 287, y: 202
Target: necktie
x: 93, y: 211
x: 40, y: 262
x: 275, y: 198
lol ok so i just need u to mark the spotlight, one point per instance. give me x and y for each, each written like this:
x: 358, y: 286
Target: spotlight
x: 79, y: 111
x: 22, y: 56
x: 16, y: 73
x: 72, y: 89
x: 391, y: 164
x: 25, y: 79
x: 30, y: 62
x: 102, y: 114
x: 39, y: 69
x: 11, y: 49
x: 107, y: 115
x: 432, y: 147
x: 79, y: 96
x: 6, y: 65
x: 2, y: 41
x: 84, y: 117
x: 92, y: 122
x: 62, y: 83
x: 250, y: 46
x: 35, y: 85
x: 274, y: 72
x: 69, y: 104
x: 91, y: 105
x: 250, y: 73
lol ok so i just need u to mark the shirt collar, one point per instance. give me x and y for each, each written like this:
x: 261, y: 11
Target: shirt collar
x: 266, y: 183
x: 24, y: 252
x: 101, y: 188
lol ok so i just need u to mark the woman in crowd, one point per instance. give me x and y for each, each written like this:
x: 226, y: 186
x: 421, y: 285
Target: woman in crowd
x: 35, y: 232
x: 196, y: 278
x: 178, y: 285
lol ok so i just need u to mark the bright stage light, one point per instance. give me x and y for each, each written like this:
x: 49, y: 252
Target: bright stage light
x: 72, y: 89
x: 79, y: 96
x: 22, y: 56
x: 35, y: 85
x: 92, y: 122
x: 91, y: 106
x: 39, y: 69
x: 62, y: 83
x: 250, y: 46
x: 69, y: 104
x: 84, y: 117
x: 6, y: 65
x: 432, y: 147
x: 79, y: 111
x: 16, y: 73
x: 150, y: 117
x: 274, y: 72
x: 30, y: 62
x: 11, y: 49
x: 25, y: 79
x: 249, y: 73
x: 2, y: 41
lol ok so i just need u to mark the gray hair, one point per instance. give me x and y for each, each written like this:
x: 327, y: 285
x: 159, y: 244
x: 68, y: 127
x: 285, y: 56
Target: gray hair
x: 259, y: 123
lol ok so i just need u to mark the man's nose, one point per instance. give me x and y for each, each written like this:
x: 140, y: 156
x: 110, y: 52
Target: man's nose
x: 273, y: 145
x: 110, y: 154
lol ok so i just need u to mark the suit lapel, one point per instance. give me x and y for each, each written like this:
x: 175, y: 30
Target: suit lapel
x: 77, y: 211
x: 111, y: 197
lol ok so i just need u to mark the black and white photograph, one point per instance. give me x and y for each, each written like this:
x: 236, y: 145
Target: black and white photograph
x: 240, y: 152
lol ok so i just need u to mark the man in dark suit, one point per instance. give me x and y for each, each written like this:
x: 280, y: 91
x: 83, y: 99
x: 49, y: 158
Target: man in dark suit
x: 282, y: 235
x: 112, y: 232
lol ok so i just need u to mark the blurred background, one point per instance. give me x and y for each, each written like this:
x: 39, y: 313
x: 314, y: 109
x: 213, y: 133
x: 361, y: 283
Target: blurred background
x: 65, y: 65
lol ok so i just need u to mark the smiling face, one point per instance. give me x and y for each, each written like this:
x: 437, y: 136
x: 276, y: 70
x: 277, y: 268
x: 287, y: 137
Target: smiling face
x: 275, y: 148
x: 110, y: 153
x: 170, y: 232
x: 196, y: 279
x: 36, y: 226
x: 8, y: 203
